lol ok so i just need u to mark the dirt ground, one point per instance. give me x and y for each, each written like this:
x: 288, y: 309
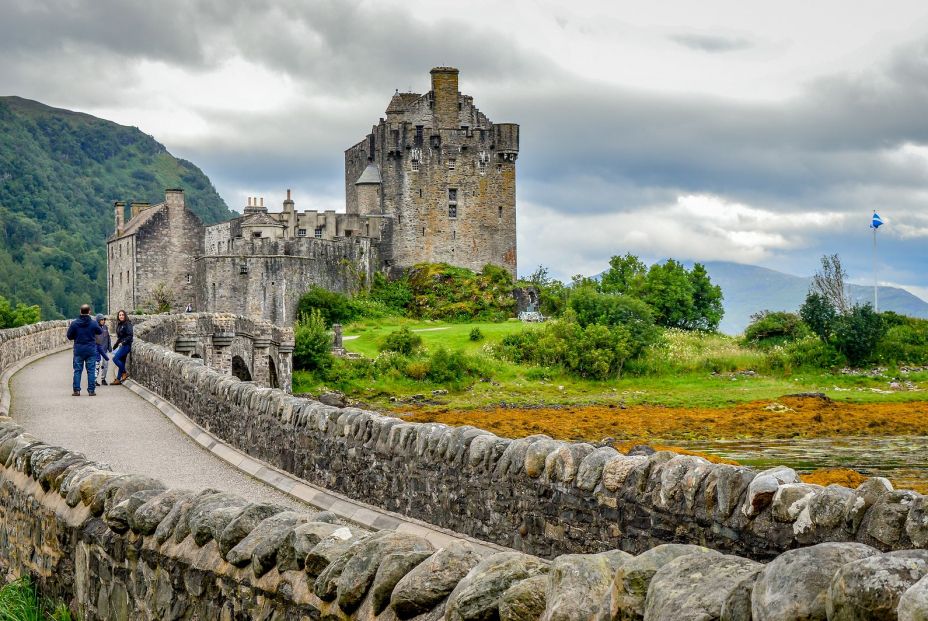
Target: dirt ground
x: 787, y: 417
x: 660, y: 427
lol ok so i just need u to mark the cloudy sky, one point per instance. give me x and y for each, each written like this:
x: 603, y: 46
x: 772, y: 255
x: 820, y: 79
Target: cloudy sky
x: 761, y: 133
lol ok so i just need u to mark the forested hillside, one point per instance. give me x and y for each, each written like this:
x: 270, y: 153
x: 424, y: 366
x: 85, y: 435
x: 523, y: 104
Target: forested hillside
x: 60, y: 172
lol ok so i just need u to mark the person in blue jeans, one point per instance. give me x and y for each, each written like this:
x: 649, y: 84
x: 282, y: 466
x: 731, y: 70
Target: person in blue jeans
x: 83, y: 331
x: 124, y: 335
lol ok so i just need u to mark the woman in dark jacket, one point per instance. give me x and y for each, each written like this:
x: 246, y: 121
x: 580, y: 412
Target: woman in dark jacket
x: 123, y: 346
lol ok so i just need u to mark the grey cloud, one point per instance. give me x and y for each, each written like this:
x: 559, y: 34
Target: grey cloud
x: 711, y: 43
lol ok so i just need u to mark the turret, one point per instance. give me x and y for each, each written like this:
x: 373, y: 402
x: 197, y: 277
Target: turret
x: 368, y: 188
x: 445, y: 98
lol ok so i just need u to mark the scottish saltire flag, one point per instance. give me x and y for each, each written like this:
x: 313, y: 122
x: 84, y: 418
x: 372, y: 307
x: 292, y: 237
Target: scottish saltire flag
x: 877, y: 221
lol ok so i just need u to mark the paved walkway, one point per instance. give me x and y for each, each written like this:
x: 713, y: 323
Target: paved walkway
x: 119, y: 428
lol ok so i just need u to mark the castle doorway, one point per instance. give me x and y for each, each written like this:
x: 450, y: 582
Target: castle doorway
x: 240, y: 369
x: 272, y: 373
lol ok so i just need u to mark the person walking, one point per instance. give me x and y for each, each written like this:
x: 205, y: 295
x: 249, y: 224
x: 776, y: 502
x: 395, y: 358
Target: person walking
x: 84, y: 331
x: 104, y: 346
x: 124, y: 336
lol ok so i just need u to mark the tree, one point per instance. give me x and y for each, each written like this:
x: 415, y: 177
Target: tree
x: 625, y: 275
x: 668, y: 290
x: 333, y: 307
x: 829, y: 283
x: 858, y: 333
x: 20, y: 315
x: 819, y: 314
x: 312, y: 348
x: 540, y: 277
x: 707, y: 300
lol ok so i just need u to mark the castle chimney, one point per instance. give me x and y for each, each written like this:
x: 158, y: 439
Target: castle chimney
x: 445, y: 97
x: 120, y: 208
x: 249, y: 201
x: 262, y: 201
x: 137, y: 208
x: 288, y: 193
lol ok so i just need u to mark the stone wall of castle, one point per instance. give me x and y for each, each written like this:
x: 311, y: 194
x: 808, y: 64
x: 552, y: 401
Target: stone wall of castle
x: 157, y: 254
x: 266, y: 277
x: 448, y: 179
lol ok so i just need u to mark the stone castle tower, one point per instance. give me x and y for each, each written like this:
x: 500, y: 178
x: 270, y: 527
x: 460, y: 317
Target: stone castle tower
x: 443, y: 176
x: 433, y: 182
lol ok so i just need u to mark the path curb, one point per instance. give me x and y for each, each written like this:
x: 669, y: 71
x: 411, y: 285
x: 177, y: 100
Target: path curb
x: 353, y: 511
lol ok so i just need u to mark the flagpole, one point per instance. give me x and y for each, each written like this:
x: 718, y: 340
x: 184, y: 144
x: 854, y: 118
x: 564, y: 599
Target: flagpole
x: 876, y: 299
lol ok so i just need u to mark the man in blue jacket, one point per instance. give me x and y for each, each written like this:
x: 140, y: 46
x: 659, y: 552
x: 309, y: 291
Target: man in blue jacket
x: 83, y: 331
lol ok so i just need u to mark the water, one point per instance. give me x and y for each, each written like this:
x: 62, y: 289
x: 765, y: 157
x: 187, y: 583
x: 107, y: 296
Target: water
x: 904, y: 459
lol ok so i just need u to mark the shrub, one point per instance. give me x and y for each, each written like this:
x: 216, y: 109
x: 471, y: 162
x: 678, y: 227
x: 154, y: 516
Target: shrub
x: 19, y: 315
x: 441, y: 291
x: 417, y: 369
x: 313, y: 345
x: 453, y: 368
x: 812, y: 352
x: 858, y: 333
x: 905, y: 340
x: 476, y: 334
x: 592, y: 307
x: 819, y: 314
x: 595, y: 351
x: 333, y: 306
x: 393, y: 294
x: 775, y: 327
x: 402, y: 341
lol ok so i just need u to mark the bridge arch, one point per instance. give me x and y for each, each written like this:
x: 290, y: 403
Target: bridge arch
x: 240, y: 369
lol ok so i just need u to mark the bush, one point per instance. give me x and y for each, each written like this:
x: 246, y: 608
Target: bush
x: 592, y: 307
x: 905, y: 340
x: 393, y: 294
x: 20, y: 315
x: 858, y: 333
x: 334, y: 307
x: 595, y: 351
x: 775, y: 327
x: 453, y: 368
x: 313, y: 346
x: 475, y: 334
x: 441, y: 291
x: 402, y: 341
x: 819, y: 314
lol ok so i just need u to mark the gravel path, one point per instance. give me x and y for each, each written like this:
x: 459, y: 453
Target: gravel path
x: 119, y: 428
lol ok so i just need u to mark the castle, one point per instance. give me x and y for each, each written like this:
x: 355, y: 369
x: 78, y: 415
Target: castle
x: 432, y: 182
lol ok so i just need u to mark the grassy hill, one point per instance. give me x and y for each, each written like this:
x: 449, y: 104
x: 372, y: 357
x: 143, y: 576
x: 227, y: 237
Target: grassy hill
x: 749, y: 288
x: 60, y: 172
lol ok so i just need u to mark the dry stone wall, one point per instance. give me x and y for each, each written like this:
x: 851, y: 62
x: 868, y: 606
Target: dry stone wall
x: 535, y: 494
x: 121, y: 546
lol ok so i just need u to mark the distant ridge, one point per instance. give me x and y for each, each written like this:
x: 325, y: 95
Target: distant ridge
x: 750, y: 288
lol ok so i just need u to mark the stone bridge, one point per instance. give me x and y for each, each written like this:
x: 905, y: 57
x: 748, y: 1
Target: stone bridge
x: 353, y: 515
x: 251, y: 350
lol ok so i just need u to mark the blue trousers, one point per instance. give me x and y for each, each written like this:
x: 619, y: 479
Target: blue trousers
x: 85, y: 359
x: 119, y: 359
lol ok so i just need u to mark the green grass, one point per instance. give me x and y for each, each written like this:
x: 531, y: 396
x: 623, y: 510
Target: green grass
x: 19, y: 601
x: 452, y: 336
x: 686, y: 369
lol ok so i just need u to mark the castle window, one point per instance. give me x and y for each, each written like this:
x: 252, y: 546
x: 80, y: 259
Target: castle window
x: 423, y: 231
x: 420, y: 192
x: 452, y: 211
x: 243, y: 268
x: 499, y: 168
x: 483, y: 135
x: 436, y: 141
x: 500, y: 213
x: 318, y: 232
x: 189, y: 279
x: 256, y: 234
x: 460, y: 106
x: 418, y: 135
x: 415, y: 165
x: 301, y: 232
x: 452, y: 194
x: 451, y: 163
x: 454, y: 235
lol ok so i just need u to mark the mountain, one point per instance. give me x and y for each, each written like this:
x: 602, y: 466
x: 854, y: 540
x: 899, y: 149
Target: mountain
x: 749, y: 289
x: 60, y: 172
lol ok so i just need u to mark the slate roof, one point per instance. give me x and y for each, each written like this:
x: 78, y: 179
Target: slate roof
x: 370, y: 176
